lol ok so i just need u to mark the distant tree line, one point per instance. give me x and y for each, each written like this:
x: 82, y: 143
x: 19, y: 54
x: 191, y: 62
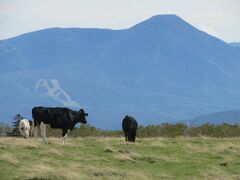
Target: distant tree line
x: 222, y: 130
x: 162, y: 130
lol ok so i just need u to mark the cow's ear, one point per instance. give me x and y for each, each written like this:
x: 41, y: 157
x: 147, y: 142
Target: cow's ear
x: 86, y: 114
x: 81, y: 110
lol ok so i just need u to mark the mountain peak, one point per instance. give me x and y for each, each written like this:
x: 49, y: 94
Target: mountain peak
x: 164, y: 16
x: 163, y: 21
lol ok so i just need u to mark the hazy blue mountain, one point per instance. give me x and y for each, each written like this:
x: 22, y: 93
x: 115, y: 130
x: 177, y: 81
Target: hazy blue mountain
x: 235, y: 44
x: 162, y: 69
x: 231, y: 117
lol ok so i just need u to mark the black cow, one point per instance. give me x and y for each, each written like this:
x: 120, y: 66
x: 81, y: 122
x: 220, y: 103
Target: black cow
x: 59, y: 118
x: 129, y: 126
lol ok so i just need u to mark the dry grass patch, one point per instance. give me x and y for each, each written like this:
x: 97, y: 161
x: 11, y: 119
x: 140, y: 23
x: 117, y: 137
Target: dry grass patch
x: 125, y: 158
x: 214, y: 172
x: 15, y: 141
x: 52, y: 152
x: 165, y: 158
x: 157, y: 144
x: 71, y: 171
x: 96, y: 172
x: 127, y: 155
x: 227, y: 147
x: 44, y: 171
x: 8, y: 157
x: 109, y: 150
x: 196, y: 148
x: 38, y: 170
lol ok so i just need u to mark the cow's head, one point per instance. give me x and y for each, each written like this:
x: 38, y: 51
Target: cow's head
x: 24, y: 128
x: 82, y: 116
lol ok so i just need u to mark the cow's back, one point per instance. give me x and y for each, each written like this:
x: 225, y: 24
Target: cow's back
x: 42, y: 114
x: 129, y: 123
x: 56, y: 117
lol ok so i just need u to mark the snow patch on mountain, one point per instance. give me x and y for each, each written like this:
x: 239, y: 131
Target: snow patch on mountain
x: 52, y: 88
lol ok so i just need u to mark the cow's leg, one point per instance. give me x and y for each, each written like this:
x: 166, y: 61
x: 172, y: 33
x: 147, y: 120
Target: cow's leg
x: 64, y: 136
x: 36, y: 130
x: 126, y: 136
x: 32, y: 129
x: 129, y: 136
x: 43, y: 132
x: 31, y: 132
x: 133, y: 136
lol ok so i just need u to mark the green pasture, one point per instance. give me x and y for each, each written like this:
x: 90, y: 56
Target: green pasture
x: 113, y: 158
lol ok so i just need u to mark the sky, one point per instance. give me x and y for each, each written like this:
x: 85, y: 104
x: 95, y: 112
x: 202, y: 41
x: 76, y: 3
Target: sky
x: 220, y: 18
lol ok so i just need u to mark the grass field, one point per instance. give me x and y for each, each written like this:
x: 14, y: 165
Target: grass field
x: 112, y: 158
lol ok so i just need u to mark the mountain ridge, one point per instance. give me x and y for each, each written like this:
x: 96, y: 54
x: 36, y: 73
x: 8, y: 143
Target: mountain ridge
x: 230, y: 116
x: 235, y: 44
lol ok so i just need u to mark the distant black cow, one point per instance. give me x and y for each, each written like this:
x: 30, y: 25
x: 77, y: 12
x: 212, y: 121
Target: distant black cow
x: 59, y: 118
x: 129, y: 125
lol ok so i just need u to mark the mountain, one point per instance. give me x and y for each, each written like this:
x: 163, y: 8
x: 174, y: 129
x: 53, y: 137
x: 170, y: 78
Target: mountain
x: 235, y: 44
x: 162, y: 69
x: 231, y: 117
